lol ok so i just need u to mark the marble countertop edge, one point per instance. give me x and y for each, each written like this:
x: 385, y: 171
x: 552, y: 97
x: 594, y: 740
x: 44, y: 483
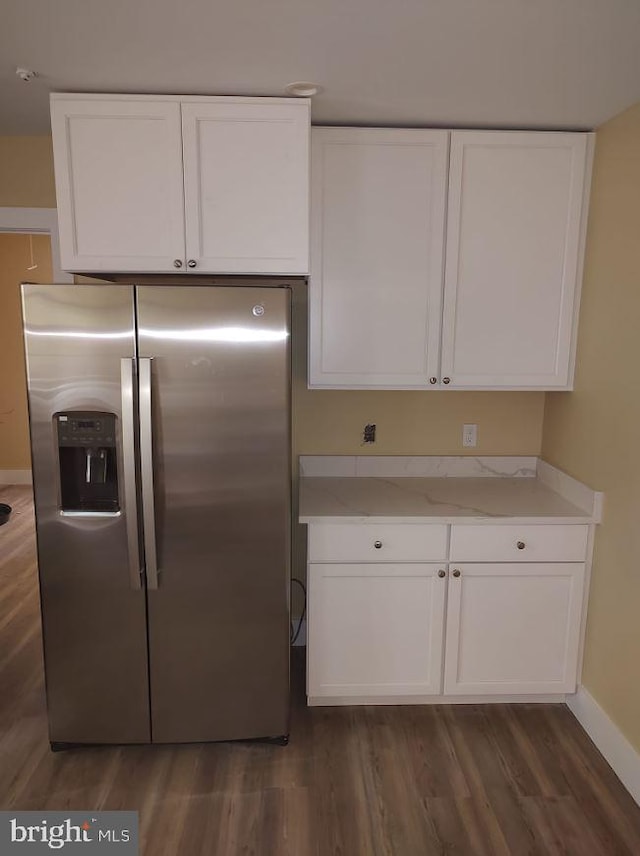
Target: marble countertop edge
x: 408, y: 495
x: 506, y: 520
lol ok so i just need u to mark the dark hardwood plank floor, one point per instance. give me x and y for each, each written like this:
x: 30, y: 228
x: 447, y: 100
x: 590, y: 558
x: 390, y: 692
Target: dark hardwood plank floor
x: 386, y: 781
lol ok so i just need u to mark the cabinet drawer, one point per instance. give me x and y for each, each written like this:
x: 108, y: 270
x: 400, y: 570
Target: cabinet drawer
x: 398, y: 542
x: 547, y: 543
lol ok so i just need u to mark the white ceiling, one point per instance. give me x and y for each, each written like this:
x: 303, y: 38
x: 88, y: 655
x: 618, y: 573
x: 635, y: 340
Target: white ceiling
x: 491, y: 63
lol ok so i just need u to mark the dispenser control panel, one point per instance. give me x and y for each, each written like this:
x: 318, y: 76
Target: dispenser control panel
x: 78, y: 429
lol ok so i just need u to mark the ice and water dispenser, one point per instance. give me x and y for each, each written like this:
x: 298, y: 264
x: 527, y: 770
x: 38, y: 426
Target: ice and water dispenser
x: 87, y: 460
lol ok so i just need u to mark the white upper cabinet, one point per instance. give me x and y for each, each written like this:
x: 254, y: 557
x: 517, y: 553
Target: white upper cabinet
x: 499, y: 310
x: 118, y: 166
x: 181, y: 184
x: 512, y: 258
x: 246, y: 179
x: 378, y: 203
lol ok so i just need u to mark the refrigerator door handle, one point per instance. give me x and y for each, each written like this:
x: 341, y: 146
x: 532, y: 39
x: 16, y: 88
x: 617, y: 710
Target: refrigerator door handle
x: 129, y: 472
x: 146, y: 471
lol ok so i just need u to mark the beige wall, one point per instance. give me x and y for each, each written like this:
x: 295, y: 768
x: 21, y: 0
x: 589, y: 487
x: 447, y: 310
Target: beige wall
x: 15, y: 258
x: 26, y: 173
x: 593, y: 432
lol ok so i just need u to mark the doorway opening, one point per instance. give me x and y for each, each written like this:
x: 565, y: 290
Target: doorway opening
x: 24, y: 257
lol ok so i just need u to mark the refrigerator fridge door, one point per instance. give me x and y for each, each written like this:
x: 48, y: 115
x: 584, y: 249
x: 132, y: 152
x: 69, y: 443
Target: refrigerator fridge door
x: 214, y: 405
x: 80, y: 348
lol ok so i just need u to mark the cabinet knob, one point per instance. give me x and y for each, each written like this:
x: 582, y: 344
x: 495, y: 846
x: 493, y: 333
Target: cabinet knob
x: 456, y: 573
x: 433, y: 380
x: 446, y: 380
x: 442, y: 574
x: 192, y: 263
x: 377, y: 544
x: 177, y: 263
x: 521, y: 545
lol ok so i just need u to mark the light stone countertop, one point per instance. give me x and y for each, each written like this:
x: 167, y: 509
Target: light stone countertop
x: 445, y: 499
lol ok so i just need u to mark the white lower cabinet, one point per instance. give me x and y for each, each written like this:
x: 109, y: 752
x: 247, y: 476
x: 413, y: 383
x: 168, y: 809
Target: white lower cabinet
x: 386, y: 627
x: 513, y: 628
x: 375, y: 629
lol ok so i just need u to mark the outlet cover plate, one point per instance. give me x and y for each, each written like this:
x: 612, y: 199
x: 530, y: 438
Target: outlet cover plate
x: 470, y: 435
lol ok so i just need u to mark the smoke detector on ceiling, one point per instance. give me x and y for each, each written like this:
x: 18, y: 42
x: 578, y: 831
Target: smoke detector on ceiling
x: 303, y: 89
x: 25, y: 74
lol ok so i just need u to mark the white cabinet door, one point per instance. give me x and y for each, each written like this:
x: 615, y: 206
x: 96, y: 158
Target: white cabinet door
x: 513, y: 628
x: 246, y: 183
x: 375, y: 630
x: 377, y: 227
x: 516, y: 205
x: 118, y: 165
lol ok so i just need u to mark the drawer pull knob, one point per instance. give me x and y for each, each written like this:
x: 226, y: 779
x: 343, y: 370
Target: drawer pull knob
x: 442, y: 574
x: 456, y: 573
x: 377, y: 544
x: 520, y: 545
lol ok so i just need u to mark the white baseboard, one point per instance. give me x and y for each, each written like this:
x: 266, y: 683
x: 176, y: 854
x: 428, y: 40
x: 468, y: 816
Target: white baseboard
x: 620, y: 754
x: 8, y: 477
x: 519, y: 698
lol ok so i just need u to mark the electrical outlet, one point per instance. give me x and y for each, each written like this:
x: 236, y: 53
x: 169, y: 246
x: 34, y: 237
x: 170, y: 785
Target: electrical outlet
x: 470, y: 435
x: 369, y: 433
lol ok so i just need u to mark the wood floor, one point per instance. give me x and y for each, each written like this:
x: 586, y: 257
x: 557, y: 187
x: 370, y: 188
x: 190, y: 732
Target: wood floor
x: 387, y: 781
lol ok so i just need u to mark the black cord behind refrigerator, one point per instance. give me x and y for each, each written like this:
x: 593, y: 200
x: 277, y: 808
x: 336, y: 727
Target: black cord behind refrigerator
x: 294, y: 635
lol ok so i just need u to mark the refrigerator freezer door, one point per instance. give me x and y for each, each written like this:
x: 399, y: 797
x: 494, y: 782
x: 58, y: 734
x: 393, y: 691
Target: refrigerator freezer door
x: 219, y: 619
x: 93, y: 610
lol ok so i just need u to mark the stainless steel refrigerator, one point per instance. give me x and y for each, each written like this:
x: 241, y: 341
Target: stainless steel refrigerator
x: 160, y: 435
